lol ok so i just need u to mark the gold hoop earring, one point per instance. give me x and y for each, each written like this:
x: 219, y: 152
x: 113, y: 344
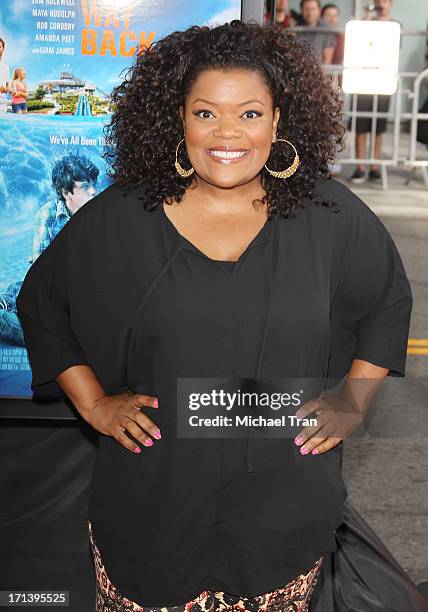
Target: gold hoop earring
x: 282, y: 174
x: 181, y: 171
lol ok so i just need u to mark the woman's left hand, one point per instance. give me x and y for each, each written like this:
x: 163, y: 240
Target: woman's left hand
x: 336, y: 418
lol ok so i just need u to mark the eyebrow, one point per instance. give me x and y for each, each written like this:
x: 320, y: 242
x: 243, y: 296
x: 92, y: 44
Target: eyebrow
x: 214, y: 104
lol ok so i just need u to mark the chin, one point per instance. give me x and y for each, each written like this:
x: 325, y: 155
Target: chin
x: 228, y: 182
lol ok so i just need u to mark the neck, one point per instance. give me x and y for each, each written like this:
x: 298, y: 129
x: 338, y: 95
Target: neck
x: 224, y: 201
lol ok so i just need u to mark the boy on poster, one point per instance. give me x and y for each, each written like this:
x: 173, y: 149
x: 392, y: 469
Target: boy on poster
x: 74, y: 179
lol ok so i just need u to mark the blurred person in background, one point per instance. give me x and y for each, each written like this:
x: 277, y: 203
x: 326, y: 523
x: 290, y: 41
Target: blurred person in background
x: 323, y: 42
x: 380, y: 11
x: 330, y: 14
x: 283, y: 17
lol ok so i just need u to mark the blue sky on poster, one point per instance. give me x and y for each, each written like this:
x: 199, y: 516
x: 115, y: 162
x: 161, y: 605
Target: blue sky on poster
x: 18, y: 28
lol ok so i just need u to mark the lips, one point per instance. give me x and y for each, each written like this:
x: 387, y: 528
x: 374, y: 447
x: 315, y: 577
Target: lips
x: 227, y: 155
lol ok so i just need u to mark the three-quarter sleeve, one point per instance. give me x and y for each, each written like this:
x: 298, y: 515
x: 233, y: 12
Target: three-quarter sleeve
x: 43, y: 311
x: 374, y: 292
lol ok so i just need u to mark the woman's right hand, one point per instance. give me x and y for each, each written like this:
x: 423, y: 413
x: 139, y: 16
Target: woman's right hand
x: 114, y: 415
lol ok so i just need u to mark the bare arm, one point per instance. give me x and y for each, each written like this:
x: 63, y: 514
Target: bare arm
x: 83, y: 388
x: 40, y: 234
x: 111, y: 415
x: 362, y: 382
x: 340, y: 415
x: 328, y: 55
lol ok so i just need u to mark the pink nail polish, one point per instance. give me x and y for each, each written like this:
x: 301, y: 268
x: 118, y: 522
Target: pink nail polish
x: 304, y: 451
x: 155, y: 403
x: 157, y: 435
x: 148, y: 442
x: 298, y: 441
x: 315, y: 451
x: 137, y: 449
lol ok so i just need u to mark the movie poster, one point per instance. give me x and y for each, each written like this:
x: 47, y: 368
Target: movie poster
x: 59, y: 60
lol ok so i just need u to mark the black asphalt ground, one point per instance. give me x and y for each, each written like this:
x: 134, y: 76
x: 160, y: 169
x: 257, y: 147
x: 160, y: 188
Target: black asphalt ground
x: 386, y: 472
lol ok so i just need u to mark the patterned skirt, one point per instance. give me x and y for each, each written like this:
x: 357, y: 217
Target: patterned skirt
x: 293, y: 597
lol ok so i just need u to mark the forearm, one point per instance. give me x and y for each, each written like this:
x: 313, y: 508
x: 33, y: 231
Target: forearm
x: 362, y: 382
x: 40, y: 237
x: 328, y: 55
x: 83, y: 388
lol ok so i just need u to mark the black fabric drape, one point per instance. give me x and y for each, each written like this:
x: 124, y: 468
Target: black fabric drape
x: 361, y: 575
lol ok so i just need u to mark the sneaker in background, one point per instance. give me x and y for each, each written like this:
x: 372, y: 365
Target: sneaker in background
x: 359, y: 176
x: 374, y: 175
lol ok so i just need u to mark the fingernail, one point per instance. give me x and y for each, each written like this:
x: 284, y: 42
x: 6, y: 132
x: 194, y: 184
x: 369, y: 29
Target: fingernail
x: 137, y: 449
x: 315, y: 451
x: 157, y: 434
x: 148, y: 442
x: 304, y: 450
x: 155, y: 403
x: 298, y: 441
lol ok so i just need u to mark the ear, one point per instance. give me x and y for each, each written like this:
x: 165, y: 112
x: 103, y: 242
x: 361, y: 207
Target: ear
x: 276, y: 116
x: 65, y: 194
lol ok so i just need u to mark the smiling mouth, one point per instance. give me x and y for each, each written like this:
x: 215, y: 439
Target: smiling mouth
x: 228, y: 156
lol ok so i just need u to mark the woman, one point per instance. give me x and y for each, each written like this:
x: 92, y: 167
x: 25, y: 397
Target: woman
x: 222, y: 252
x: 19, y: 91
x: 283, y: 17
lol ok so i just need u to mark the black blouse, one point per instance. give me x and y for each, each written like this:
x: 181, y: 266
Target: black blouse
x: 119, y: 289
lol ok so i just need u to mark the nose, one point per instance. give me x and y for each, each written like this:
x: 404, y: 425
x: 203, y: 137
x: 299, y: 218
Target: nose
x: 227, y: 127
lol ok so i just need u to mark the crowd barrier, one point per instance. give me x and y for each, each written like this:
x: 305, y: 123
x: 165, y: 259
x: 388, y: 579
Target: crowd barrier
x: 404, y: 151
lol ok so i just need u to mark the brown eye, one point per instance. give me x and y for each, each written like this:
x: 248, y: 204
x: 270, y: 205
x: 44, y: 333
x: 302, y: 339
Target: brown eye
x: 257, y: 113
x: 203, y: 110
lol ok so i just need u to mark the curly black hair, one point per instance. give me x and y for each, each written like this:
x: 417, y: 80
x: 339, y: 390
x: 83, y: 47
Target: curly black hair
x: 146, y: 127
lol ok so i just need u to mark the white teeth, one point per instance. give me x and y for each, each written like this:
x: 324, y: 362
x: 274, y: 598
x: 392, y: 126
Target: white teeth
x: 227, y: 154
